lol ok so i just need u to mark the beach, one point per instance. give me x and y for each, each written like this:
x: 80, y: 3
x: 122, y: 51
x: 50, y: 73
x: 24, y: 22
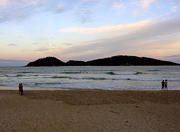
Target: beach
x: 90, y: 111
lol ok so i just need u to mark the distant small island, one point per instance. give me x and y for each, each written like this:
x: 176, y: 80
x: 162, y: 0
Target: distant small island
x: 120, y: 60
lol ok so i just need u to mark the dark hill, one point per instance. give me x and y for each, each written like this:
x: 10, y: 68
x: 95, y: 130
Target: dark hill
x: 48, y: 61
x: 111, y: 61
x: 75, y: 63
x: 127, y: 60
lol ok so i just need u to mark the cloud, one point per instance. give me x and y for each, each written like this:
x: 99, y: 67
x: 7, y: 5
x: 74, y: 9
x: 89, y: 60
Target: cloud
x: 118, y: 6
x: 60, y: 8
x: 175, y: 58
x: 43, y: 49
x: 67, y: 44
x: 4, y: 2
x: 146, y: 3
x: 90, y: 0
x: 14, y: 14
x: 107, y: 29
x: 85, y: 10
x: 12, y: 45
x: 84, y: 14
x: 13, y: 62
x: 142, y: 6
x: 11, y: 10
x: 159, y: 38
x: 10, y: 3
x: 176, y: 6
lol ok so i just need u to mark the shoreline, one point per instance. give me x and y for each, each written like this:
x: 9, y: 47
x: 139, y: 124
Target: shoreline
x: 14, y: 88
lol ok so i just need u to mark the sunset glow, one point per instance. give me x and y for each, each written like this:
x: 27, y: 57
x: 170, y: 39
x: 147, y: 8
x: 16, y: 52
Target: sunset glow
x: 89, y: 29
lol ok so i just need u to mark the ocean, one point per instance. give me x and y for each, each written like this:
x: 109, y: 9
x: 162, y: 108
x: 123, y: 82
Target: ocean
x: 90, y: 77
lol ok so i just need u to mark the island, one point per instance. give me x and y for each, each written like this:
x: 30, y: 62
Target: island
x: 121, y: 60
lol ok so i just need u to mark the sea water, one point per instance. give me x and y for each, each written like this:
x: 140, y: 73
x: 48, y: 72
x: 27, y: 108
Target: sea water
x: 90, y: 77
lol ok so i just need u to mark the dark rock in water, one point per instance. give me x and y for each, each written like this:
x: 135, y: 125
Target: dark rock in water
x: 111, y: 61
x: 48, y: 61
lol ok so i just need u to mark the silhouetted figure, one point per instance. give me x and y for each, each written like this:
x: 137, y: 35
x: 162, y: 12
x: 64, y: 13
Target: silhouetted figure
x: 21, y: 89
x: 162, y: 83
x: 165, y: 84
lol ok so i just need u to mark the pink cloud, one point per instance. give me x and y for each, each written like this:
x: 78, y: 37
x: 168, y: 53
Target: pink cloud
x: 146, y: 3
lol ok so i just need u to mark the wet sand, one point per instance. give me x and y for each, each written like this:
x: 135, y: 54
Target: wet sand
x: 90, y: 111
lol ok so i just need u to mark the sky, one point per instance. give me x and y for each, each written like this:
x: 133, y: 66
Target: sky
x: 89, y: 29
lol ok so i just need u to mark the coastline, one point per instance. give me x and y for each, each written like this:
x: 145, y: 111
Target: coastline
x: 15, y: 88
x: 90, y: 111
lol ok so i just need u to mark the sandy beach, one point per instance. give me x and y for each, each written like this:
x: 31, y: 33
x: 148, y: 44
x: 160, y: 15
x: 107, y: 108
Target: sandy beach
x: 90, y: 111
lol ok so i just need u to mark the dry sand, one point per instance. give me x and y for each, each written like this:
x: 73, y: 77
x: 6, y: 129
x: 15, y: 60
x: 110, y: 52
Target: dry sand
x: 90, y: 111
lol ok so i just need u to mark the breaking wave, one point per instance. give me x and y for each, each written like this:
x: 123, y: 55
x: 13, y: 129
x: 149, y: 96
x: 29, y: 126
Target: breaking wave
x: 72, y: 72
x: 52, y: 83
x: 14, y: 75
x: 65, y: 77
x: 115, y: 78
x: 90, y: 77
x: 154, y: 70
x: 124, y: 73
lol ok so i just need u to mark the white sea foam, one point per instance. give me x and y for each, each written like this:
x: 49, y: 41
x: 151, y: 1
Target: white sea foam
x: 11, y: 75
x: 124, y: 73
x: 14, y: 75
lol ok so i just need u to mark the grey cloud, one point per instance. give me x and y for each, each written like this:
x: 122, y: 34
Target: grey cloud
x: 89, y: 1
x: 84, y: 13
x: 129, y: 43
x: 60, y: 8
x: 4, y: 62
x: 85, y: 10
x: 174, y: 58
x: 66, y: 43
x: 23, y: 10
x: 12, y: 45
x: 17, y: 13
x: 42, y: 49
x: 176, y: 7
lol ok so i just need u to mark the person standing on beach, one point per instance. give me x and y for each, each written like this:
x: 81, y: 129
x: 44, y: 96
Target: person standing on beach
x: 162, y: 83
x: 165, y: 84
x: 21, y: 89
